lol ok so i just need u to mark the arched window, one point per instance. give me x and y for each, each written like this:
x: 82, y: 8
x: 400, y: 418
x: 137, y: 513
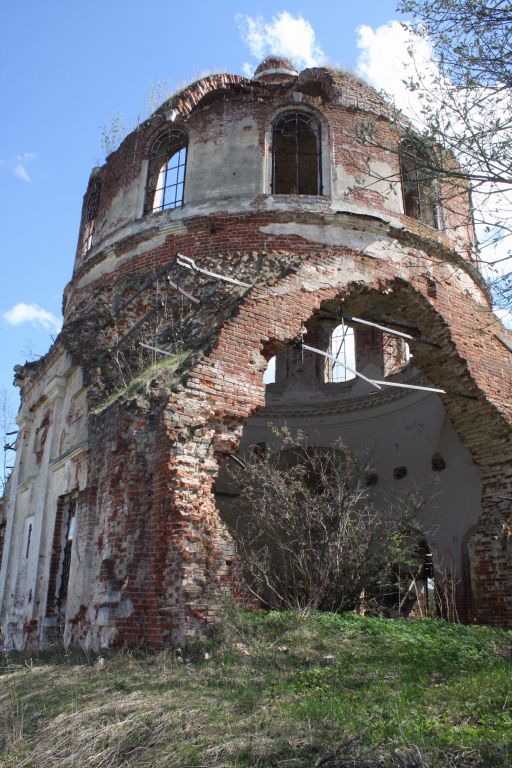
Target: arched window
x: 166, y: 171
x: 418, y: 187
x: 269, y: 375
x: 342, y: 347
x: 91, y: 213
x: 296, y: 166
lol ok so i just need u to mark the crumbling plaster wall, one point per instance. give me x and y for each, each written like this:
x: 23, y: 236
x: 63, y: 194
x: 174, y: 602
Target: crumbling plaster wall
x: 50, y: 461
x: 175, y: 591
x: 230, y: 155
x: 154, y: 462
x: 152, y: 556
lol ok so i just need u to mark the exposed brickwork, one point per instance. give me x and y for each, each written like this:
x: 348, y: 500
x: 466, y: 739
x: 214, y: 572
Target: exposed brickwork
x: 165, y: 546
x: 153, y: 557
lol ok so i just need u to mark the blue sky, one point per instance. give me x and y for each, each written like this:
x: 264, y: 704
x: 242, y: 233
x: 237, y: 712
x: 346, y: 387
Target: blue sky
x: 67, y: 69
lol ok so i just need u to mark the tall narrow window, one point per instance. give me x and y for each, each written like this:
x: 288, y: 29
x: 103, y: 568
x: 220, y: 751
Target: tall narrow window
x: 269, y: 376
x: 296, y: 151
x: 342, y: 348
x: 166, y: 171
x: 29, y: 539
x: 61, y: 561
x: 418, y: 187
x: 91, y: 212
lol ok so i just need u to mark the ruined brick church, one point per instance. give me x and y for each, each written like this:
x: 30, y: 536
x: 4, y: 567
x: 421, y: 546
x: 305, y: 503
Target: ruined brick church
x: 245, y: 261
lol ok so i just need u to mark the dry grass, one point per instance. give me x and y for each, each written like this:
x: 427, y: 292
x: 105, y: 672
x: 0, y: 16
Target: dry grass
x: 278, y: 691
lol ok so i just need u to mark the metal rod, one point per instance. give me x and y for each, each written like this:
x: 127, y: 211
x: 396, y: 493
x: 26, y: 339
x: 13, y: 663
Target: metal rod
x: 156, y: 349
x: 341, y: 346
x: 375, y: 384
x: 384, y: 328
x: 380, y: 327
x: 409, y: 386
x: 183, y: 291
x: 188, y: 263
x: 237, y: 461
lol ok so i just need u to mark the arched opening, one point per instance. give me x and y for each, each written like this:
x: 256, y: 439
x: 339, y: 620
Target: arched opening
x: 398, y: 428
x: 91, y: 213
x: 166, y: 171
x: 342, y: 349
x: 296, y: 155
x: 418, y: 184
x: 269, y: 374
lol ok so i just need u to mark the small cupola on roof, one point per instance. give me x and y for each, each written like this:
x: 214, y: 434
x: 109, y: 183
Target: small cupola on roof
x: 275, y: 69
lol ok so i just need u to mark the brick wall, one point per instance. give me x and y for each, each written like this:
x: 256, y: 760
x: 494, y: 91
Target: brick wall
x: 163, y: 555
x: 157, y: 555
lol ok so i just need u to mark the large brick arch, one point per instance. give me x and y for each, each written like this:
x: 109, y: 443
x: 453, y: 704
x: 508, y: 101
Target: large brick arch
x: 142, y: 450
x: 225, y: 388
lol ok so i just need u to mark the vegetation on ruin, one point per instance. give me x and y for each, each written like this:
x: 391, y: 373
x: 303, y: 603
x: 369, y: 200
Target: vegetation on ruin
x: 314, y: 532
x: 165, y: 369
x: 272, y: 689
x: 467, y: 110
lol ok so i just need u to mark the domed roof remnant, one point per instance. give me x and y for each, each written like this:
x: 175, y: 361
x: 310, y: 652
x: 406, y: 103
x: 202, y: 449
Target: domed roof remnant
x: 275, y: 69
x: 126, y: 423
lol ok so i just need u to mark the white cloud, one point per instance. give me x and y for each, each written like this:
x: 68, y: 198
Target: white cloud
x: 20, y: 171
x: 32, y: 313
x: 18, y: 165
x: 284, y: 35
x: 248, y: 69
x: 385, y: 61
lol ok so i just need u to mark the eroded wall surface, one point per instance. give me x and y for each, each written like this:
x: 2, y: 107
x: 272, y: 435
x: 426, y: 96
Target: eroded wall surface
x: 113, y: 535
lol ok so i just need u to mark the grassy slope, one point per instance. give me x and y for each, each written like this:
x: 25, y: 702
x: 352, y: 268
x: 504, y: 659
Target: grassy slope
x: 277, y: 690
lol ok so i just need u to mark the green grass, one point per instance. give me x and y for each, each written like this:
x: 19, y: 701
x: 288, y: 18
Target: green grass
x: 277, y: 690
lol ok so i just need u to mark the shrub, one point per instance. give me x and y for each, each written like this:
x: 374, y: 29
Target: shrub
x: 312, y: 533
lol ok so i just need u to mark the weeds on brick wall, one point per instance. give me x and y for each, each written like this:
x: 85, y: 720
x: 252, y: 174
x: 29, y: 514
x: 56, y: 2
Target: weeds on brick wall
x: 271, y: 689
x: 112, y: 135
x: 140, y: 340
x: 135, y: 344
x: 160, y: 91
x: 165, y: 368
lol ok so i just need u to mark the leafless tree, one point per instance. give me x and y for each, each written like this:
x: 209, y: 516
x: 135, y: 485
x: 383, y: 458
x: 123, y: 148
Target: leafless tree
x: 7, y: 428
x: 312, y: 531
x: 467, y: 110
x: 458, y: 144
